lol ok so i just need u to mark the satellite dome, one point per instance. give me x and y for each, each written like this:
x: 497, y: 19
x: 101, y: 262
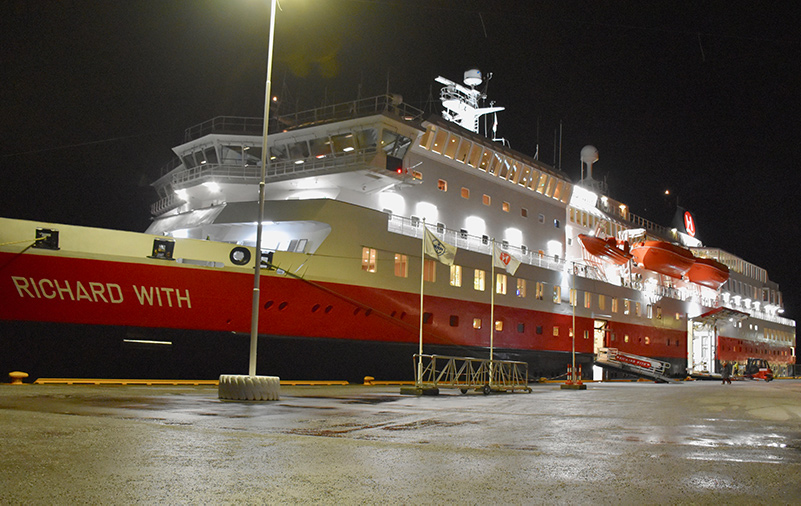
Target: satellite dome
x: 472, y: 77
x: 589, y: 154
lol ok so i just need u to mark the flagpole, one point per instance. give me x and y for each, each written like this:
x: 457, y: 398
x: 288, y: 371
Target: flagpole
x: 492, y: 301
x: 422, y: 280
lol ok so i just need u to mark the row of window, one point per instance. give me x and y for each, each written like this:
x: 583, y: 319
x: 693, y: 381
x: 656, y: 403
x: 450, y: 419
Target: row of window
x: 520, y: 288
x: 477, y: 323
x: 476, y: 155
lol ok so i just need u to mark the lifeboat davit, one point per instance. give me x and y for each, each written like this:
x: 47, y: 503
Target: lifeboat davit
x: 664, y: 258
x: 708, y: 272
x: 606, y: 249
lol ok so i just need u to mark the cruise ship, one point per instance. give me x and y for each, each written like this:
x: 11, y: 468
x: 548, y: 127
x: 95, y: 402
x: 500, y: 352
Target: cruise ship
x: 350, y: 192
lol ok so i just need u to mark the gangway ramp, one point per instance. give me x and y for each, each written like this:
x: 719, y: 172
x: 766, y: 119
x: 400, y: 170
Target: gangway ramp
x: 644, y: 367
x: 467, y: 373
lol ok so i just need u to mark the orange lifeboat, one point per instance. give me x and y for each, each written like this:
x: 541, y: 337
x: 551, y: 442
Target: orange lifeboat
x: 664, y: 258
x: 606, y: 249
x: 708, y: 272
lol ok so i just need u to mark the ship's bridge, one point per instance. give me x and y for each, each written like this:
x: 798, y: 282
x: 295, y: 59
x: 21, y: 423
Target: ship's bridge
x: 358, y: 144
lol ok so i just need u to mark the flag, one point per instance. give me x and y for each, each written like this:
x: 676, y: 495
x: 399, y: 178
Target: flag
x: 440, y: 250
x: 507, y: 261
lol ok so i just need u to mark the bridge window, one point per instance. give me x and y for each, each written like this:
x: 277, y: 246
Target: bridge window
x: 442, y: 185
x: 486, y: 200
x: 464, y: 150
x: 450, y: 149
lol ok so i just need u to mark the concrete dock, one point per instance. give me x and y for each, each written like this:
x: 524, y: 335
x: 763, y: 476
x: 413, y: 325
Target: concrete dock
x: 614, y: 443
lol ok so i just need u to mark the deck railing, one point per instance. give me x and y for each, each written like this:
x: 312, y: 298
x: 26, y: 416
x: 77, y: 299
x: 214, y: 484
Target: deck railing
x: 465, y: 373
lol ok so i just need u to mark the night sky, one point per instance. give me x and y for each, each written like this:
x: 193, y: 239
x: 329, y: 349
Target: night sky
x: 700, y: 98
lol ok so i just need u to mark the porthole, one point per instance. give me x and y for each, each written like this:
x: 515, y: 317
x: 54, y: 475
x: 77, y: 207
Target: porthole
x: 239, y: 255
x: 283, y: 305
x: 328, y: 309
x: 268, y: 304
x: 315, y: 308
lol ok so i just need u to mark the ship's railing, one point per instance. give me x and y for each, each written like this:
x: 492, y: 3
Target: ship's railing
x: 165, y: 204
x: 232, y: 125
x: 479, y: 244
x: 356, y: 108
x: 220, y: 173
x: 441, y: 371
x: 238, y: 125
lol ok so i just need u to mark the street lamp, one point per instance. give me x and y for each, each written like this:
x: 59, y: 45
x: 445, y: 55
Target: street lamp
x: 252, y: 387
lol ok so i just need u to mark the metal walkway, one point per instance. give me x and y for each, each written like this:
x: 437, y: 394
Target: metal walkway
x: 466, y: 373
x: 644, y: 367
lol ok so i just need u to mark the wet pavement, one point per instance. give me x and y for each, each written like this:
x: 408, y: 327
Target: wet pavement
x: 629, y: 442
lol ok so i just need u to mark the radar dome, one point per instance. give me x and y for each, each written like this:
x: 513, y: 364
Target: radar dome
x: 472, y: 77
x: 589, y: 154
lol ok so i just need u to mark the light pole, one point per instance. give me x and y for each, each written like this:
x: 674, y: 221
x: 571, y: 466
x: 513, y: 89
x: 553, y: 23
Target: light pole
x: 254, y: 320
x: 252, y: 387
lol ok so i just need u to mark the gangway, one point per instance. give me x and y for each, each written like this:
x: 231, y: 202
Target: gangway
x: 467, y: 373
x: 645, y: 367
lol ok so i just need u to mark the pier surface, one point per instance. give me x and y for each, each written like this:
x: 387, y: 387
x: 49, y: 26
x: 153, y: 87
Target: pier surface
x: 614, y: 443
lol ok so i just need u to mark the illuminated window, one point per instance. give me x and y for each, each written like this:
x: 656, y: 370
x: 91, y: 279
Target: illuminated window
x: 614, y: 304
x: 417, y: 175
x: 524, y: 212
x: 456, y: 275
x: 557, y: 295
x: 587, y: 300
x: 539, y: 290
x: 572, y: 296
x: 430, y: 270
x: 442, y: 185
x: 626, y: 307
x: 637, y: 308
x: 498, y: 325
x: 601, y: 302
x: 586, y: 334
x: 500, y: 284
x: 649, y: 311
x: 556, y: 331
x: 486, y: 199
x: 647, y: 340
x: 521, y: 287
x: 368, y: 259
x: 479, y: 280
x: 626, y: 338
x: 658, y: 312
x: 401, y: 265
x: 439, y: 141
x: 476, y: 323
x: 465, y: 193
x: 505, y: 206
x: 453, y: 143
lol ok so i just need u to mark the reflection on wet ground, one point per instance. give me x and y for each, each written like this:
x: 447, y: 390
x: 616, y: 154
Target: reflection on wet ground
x: 697, y: 442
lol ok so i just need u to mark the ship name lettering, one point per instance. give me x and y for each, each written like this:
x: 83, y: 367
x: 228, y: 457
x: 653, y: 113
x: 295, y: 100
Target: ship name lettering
x: 161, y: 296
x: 45, y: 288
